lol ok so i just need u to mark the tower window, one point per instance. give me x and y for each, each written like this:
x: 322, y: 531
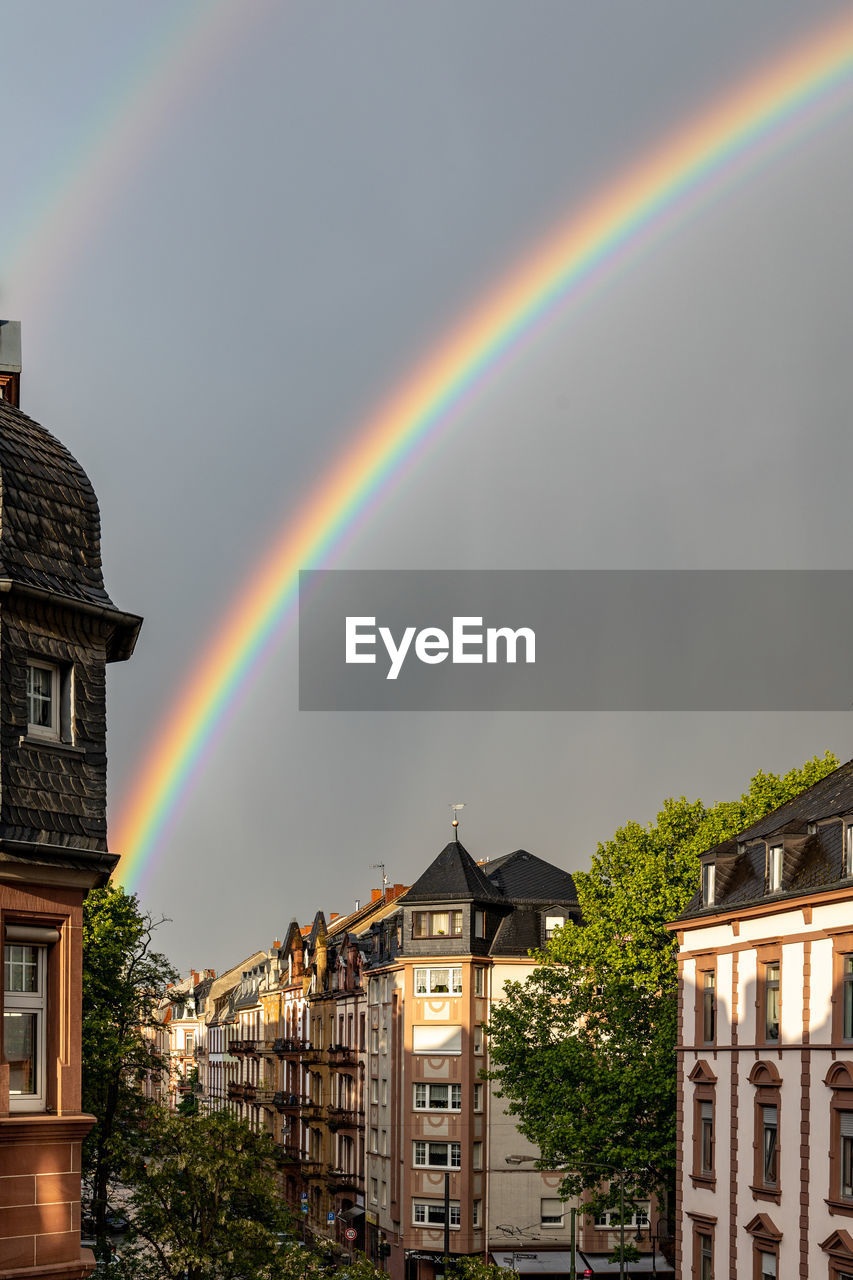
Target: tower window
x: 48, y: 700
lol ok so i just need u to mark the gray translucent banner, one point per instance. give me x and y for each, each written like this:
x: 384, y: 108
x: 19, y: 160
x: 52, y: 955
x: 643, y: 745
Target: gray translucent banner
x: 599, y: 640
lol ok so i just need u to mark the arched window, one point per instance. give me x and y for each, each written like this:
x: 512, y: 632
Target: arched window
x: 765, y: 1144
x: 704, y: 1124
x: 839, y: 1079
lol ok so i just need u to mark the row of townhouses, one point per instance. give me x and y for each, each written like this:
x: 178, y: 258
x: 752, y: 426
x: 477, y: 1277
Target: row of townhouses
x: 358, y: 1043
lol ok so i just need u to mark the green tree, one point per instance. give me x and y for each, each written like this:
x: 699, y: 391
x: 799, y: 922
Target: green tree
x: 203, y: 1202
x: 584, y: 1049
x: 122, y: 975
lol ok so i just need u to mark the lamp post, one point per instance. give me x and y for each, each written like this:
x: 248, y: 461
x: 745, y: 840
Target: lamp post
x: 607, y: 1168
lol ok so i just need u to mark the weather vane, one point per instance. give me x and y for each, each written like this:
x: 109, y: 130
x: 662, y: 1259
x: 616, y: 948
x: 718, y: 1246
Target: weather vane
x: 454, y: 819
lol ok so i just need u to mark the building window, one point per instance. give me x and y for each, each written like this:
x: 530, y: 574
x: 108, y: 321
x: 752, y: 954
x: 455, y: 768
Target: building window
x: 706, y: 1257
x: 436, y: 924
x: 430, y: 1213
x: 24, y: 984
x: 384, y: 1194
x: 847, y: 997
x: 766, y: 1265
x: 848, y: 850
x: 477, y: 1156
x: 48, y: 700
x: 479, y: 924
x: 385, y: 1093
x: 771, y: 1002
x: 552, y: 924
x: 478, y: 1039
x: 438, y: 1155
x: 438, y: 1097
x: 374, y: 1039
x: 479, y: 980
x: 706, y: 1139
x: 706, y: 1006
x: 374, y: 1089
x: 438, y: 982
x: 550, y: 1213
x: 709, y: 872
x: 774, y: 868
x: 478, y: 1097
x: 477, y: 1213
x: 188, y: 1043
x: 374, y: 1141
x: 846, y: 1134
x: 769, y: 1144
x: 374, y: 1190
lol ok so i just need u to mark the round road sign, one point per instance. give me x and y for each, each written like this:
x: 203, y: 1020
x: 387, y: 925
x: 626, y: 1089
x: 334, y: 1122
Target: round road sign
x: 350, y: 1233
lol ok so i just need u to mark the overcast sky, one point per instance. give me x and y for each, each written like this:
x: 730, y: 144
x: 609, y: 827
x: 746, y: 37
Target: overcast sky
x: 323, y: 198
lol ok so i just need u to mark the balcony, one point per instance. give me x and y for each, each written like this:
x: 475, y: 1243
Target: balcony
x: 341, y: 1180
x: 288, y: 1102
x: 311, y: 1168
x: 200, y: 1051
x: 343, y: 1055
x: 266, y: 1097
x: 313, y: 1110
x: 249, y: 1093
x: 235, y: 1092
x: 343, y: 1118
x: 289, y: 1048
x: 312, y: 1054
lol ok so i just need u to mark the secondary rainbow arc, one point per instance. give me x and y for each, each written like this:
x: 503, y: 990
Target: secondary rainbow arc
x: 603, y: 233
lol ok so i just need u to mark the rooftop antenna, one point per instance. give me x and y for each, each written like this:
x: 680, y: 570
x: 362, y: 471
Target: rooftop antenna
x: 380, y: 866
x: 454, y: 820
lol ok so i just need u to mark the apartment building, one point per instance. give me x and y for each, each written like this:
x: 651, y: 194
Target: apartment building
x: 59, y: 630
x: 445, y: 1168
x: 765, y: 1112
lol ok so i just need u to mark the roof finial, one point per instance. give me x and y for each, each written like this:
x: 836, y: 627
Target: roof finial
x: 454, y: 821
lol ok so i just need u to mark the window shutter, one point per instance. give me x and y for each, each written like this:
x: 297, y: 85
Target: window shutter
x: 847, y: 1124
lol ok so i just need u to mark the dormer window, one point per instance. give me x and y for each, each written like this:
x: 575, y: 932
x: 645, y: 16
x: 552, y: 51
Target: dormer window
x: 709, y: 873
x: 552, y: 923
x: 848, y: 849
x: 48, y: 700
x: 436, y: 924
x: 774, y: 868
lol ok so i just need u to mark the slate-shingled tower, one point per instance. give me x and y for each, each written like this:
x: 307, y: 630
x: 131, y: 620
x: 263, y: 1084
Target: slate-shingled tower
x: 58, y: 629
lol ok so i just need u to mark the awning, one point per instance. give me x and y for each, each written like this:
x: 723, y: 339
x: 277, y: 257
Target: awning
x: 347, y: 1215
x: 542, y: 1262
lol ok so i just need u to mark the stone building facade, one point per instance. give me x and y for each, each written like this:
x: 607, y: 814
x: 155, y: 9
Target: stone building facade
x: 58, y: 630
x: 765, y: 1116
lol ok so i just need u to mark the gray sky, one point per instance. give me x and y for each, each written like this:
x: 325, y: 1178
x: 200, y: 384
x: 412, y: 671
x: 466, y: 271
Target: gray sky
x: 322, y: 200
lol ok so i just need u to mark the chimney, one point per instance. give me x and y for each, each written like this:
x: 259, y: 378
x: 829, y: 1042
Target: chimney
x: 357, y: 904
x: 375, y: 895
x: 334, y: 915
x: 276, y: 946
x: 394, y: 891
x: 10, y: 361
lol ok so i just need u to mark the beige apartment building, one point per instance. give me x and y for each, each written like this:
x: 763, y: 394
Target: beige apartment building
x: 765, y: 1117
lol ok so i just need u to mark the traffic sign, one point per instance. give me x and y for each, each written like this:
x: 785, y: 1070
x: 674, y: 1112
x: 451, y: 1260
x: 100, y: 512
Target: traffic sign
x: 304, y: 1206
x: 330, y: 1216
x: 303, y: 1195
x: 350, y: 1233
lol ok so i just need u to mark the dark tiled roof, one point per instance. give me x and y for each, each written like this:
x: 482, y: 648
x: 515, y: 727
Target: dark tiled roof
x: 811, y: 862
x: 453, y: 877
x: 518, y: 933
x: 521, y: 875
x: 50, y: 528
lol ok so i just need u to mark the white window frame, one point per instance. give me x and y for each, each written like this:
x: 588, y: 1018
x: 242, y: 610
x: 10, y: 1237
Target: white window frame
x: 775, y: 860
x: 425, y: 1207
x: 53, y: 730
x: 709, y: 877
x: 476, y: 1213
x: 427, y: 1086
x: 422, y: 1147
x: 552, y: 923
x: 454, y: 981
x: 479, y: 980
x: 547, y: 1216
x: 848, y: 848
x: 35, y: 1003
x: 479, y: 1093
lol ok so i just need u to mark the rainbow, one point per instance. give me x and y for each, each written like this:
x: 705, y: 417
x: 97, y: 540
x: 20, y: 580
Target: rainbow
x: 790, y: 94
x: 41, y: 239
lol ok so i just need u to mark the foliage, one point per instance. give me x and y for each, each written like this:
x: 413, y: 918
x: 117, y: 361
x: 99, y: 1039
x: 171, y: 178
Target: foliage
x: 121, y: 973
x: 188, y: 1105
x: 203, y: 1202
x: 584, y: 1049
x: 475, y: 1268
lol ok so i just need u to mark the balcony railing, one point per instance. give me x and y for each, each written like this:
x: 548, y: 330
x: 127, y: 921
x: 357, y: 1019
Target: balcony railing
x: 341, y: 1180
x: 286, y: 1047
x: 313, y: 1110
x: 289, y: 1102
x: 266, y: 1096
x: 314, y: 1054
x: 344, y: 1118
x: 342, y: 1055
x: 235, y: 1092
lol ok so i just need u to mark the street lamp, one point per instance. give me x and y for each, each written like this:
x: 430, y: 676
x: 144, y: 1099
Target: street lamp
x: 608, y: 1168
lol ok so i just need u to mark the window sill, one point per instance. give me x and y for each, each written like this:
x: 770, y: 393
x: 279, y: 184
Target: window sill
x: 766, y: 1193
x: 844, y: 1207
x: 37, y: 742
x: 708, y: 1180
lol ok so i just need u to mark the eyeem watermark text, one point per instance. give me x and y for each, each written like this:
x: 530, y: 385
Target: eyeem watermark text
x: 467, y: 642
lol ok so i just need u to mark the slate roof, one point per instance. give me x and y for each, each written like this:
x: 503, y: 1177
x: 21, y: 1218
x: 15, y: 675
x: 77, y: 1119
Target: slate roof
x: 812, y: 861
x: 453, y: 877
x: 518, y: 933
x: 522, y: 876
x: 50, y: 527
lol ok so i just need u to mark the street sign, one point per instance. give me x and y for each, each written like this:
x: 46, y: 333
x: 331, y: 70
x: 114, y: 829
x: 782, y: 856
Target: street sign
x: 303, y: 1195
x: 330, y: 1216
x: 304, y: 1206
x: 350, y: 1233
